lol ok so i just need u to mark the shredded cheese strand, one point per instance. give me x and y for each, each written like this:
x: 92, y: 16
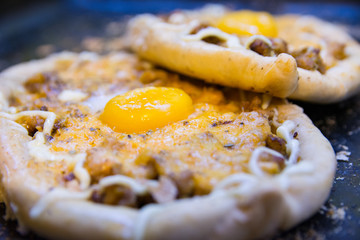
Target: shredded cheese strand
x: 82, y: 174
x: 284, y: 130
x: 251, y: 39
x: 253, y: 163
x: 266, y: 100
x: 231, y: 41
x: 50, y: 118
x: 292, y: 145
x: 72, y: 96
x: 41, y: 152
x: 54, y: 196
x: 138, y: 188
x: 292, y: 149
x: 18, y: 127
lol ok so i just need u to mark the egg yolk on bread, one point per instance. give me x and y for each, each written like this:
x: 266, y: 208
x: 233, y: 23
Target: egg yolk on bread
x: 146, y: 109
x: 247, y: 23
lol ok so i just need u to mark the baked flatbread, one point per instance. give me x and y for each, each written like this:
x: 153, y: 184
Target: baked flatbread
x: 239, y: 166
x: 308, y: 59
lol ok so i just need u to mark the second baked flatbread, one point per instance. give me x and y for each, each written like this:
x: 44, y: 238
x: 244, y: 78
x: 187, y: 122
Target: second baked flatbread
x: 321, y: 62
x: 172, y: 46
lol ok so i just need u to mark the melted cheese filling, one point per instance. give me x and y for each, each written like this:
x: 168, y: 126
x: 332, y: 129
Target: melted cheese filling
x: 72, y: 96
x: 82, y: 174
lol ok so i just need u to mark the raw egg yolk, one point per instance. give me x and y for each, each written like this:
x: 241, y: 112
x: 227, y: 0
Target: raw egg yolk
x: 248, y: 23
x: 144, y: 109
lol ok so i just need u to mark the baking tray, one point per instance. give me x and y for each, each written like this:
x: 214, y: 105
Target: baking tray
x: 81, y: 25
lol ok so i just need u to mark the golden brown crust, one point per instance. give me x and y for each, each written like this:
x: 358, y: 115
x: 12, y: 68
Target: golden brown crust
x: 254, y: 207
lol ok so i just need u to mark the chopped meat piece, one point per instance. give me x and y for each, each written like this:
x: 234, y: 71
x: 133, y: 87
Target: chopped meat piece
x: 206, y: 136
x: 49, y: 138
x: 69, y: 177
x: 45, y: 84
x: 150, y: 76
x: 59, y: 123
x: 337, y: 50
x: 44, y: 108
x: 279, y: 46
x: 218, y: 123
x: 184, y: 182
x: 276, y: 143
x: 166, y: 191
x: 261, y: 47
x: 309, y: 58
x: 270, y: 163
x: 76, y: 113
x: 113, y: 144
x: 32, y: 124
x: 213, y: 40
x: 101, y: 164
x: 209, y: 39
x: 14, y: 101
x: 147, y: 161
x: 295, y: 134
x: 35, y: 83
x: 115, y: 195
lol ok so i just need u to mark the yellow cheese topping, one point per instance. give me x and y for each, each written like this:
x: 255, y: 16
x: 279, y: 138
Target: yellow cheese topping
x: 199, y: 133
